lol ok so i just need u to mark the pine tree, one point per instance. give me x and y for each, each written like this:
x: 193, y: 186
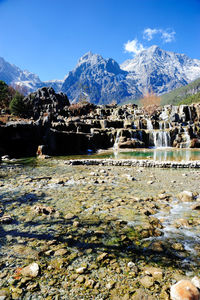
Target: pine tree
x: 17, y: 106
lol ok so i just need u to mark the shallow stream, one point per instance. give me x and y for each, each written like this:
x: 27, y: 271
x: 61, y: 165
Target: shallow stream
x: 124, y: 214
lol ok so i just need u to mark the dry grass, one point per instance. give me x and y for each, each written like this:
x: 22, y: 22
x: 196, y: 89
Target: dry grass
x: 150, y: 103
x: 7, y: 118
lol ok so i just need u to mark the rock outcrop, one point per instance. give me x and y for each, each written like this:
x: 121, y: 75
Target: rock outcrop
x: 82, y: 127
x: 45, y: 100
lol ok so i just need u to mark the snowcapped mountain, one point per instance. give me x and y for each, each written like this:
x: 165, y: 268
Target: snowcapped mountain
x: 102, y: 81
x: 24, y: 80
x: 161, y: 71
x: 98, y: 80
x: 14, y: 76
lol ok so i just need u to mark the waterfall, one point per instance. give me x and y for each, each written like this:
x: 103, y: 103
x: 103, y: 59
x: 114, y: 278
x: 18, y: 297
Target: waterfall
x: 115, y: 146
x: 149, y: 124
x: 190, y: 114
x: 161, y: 137
x: 186, y: 144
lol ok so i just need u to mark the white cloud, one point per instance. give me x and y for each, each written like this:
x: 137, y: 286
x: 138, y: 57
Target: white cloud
x: 166, y: 35
x: 133, y: 47
x: 149, y: 33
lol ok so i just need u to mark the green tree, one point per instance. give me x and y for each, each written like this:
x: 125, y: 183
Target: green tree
x: 17, y: 106
x: 4, y: 96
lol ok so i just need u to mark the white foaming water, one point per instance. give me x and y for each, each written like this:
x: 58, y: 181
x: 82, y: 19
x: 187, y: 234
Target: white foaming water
x: 149, y: 124
x: 188, y: 236
x: 186, y: 144
x: 161, y: 137
x: 115, y: 146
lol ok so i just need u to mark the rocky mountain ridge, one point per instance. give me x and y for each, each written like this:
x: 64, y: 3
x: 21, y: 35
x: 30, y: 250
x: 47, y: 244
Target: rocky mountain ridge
x: 161, y: 70
x: 23, y: 79
x: 103, y: 81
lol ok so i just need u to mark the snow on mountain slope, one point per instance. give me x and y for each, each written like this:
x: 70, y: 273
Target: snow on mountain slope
x: 98, y: 80
x: 161, y: 71
x: 24, y: 80
x: 102, y: 81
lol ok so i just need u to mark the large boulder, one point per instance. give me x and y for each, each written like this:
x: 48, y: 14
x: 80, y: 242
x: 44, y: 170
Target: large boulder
x: 20, y: 138
x: 184, y: 290
x: 131, y: 143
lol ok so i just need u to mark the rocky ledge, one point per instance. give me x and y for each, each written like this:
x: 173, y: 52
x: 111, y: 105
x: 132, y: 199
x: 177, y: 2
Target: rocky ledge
x: 65, y: 129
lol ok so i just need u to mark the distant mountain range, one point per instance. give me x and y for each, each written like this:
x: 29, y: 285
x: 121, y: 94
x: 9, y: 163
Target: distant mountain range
x: 102, y: 81
x: 29, y: 82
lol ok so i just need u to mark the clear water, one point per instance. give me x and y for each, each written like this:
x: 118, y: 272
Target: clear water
x: 154, y: 154
x: 160, y: 154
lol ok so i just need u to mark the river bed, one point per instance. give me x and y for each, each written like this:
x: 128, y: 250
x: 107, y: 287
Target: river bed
x: 125, y: 227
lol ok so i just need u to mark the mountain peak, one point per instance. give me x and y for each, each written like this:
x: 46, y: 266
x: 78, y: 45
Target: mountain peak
x: 89, y: 57
x: 153, y: 48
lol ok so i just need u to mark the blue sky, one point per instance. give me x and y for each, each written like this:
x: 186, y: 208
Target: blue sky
x: 47, y: 37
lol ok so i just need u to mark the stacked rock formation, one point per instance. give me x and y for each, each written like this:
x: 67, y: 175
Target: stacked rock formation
x: 70, y: 129
x: 45, y: 100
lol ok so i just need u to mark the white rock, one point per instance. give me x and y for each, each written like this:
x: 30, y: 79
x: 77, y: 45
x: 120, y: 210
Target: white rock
x: 130, y: 264
x: 196, y: 281
x: 31, y: 270
x: 185, y: 196
x: 81, y: 270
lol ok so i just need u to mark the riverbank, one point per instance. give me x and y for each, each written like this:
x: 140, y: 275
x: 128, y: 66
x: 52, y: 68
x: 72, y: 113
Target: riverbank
x: 97, y: 231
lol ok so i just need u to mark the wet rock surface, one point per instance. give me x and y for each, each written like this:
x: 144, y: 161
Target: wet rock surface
x: 89, y: 232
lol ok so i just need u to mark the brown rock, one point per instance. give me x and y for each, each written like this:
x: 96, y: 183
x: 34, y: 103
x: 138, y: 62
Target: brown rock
x: 155, y: 272
x: 177, y: 247
x: 186, y: 196
x: 183, y: 222
x: 89, y: 283
x: 60, y: 252
x: 6, y: 219
x: 41, y: 209
x: 196, y: 206
x: 184, y: 290
x: 102, y: 256
x: 147, y: 281
x: 157, y: 246
x: 31, y: 270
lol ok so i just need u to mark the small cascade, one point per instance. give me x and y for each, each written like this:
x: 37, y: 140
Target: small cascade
x: 190, y: 113
x: 115, y: 146
x: 187, y: 142
x: 149, y: 124
x: 161, y: 137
